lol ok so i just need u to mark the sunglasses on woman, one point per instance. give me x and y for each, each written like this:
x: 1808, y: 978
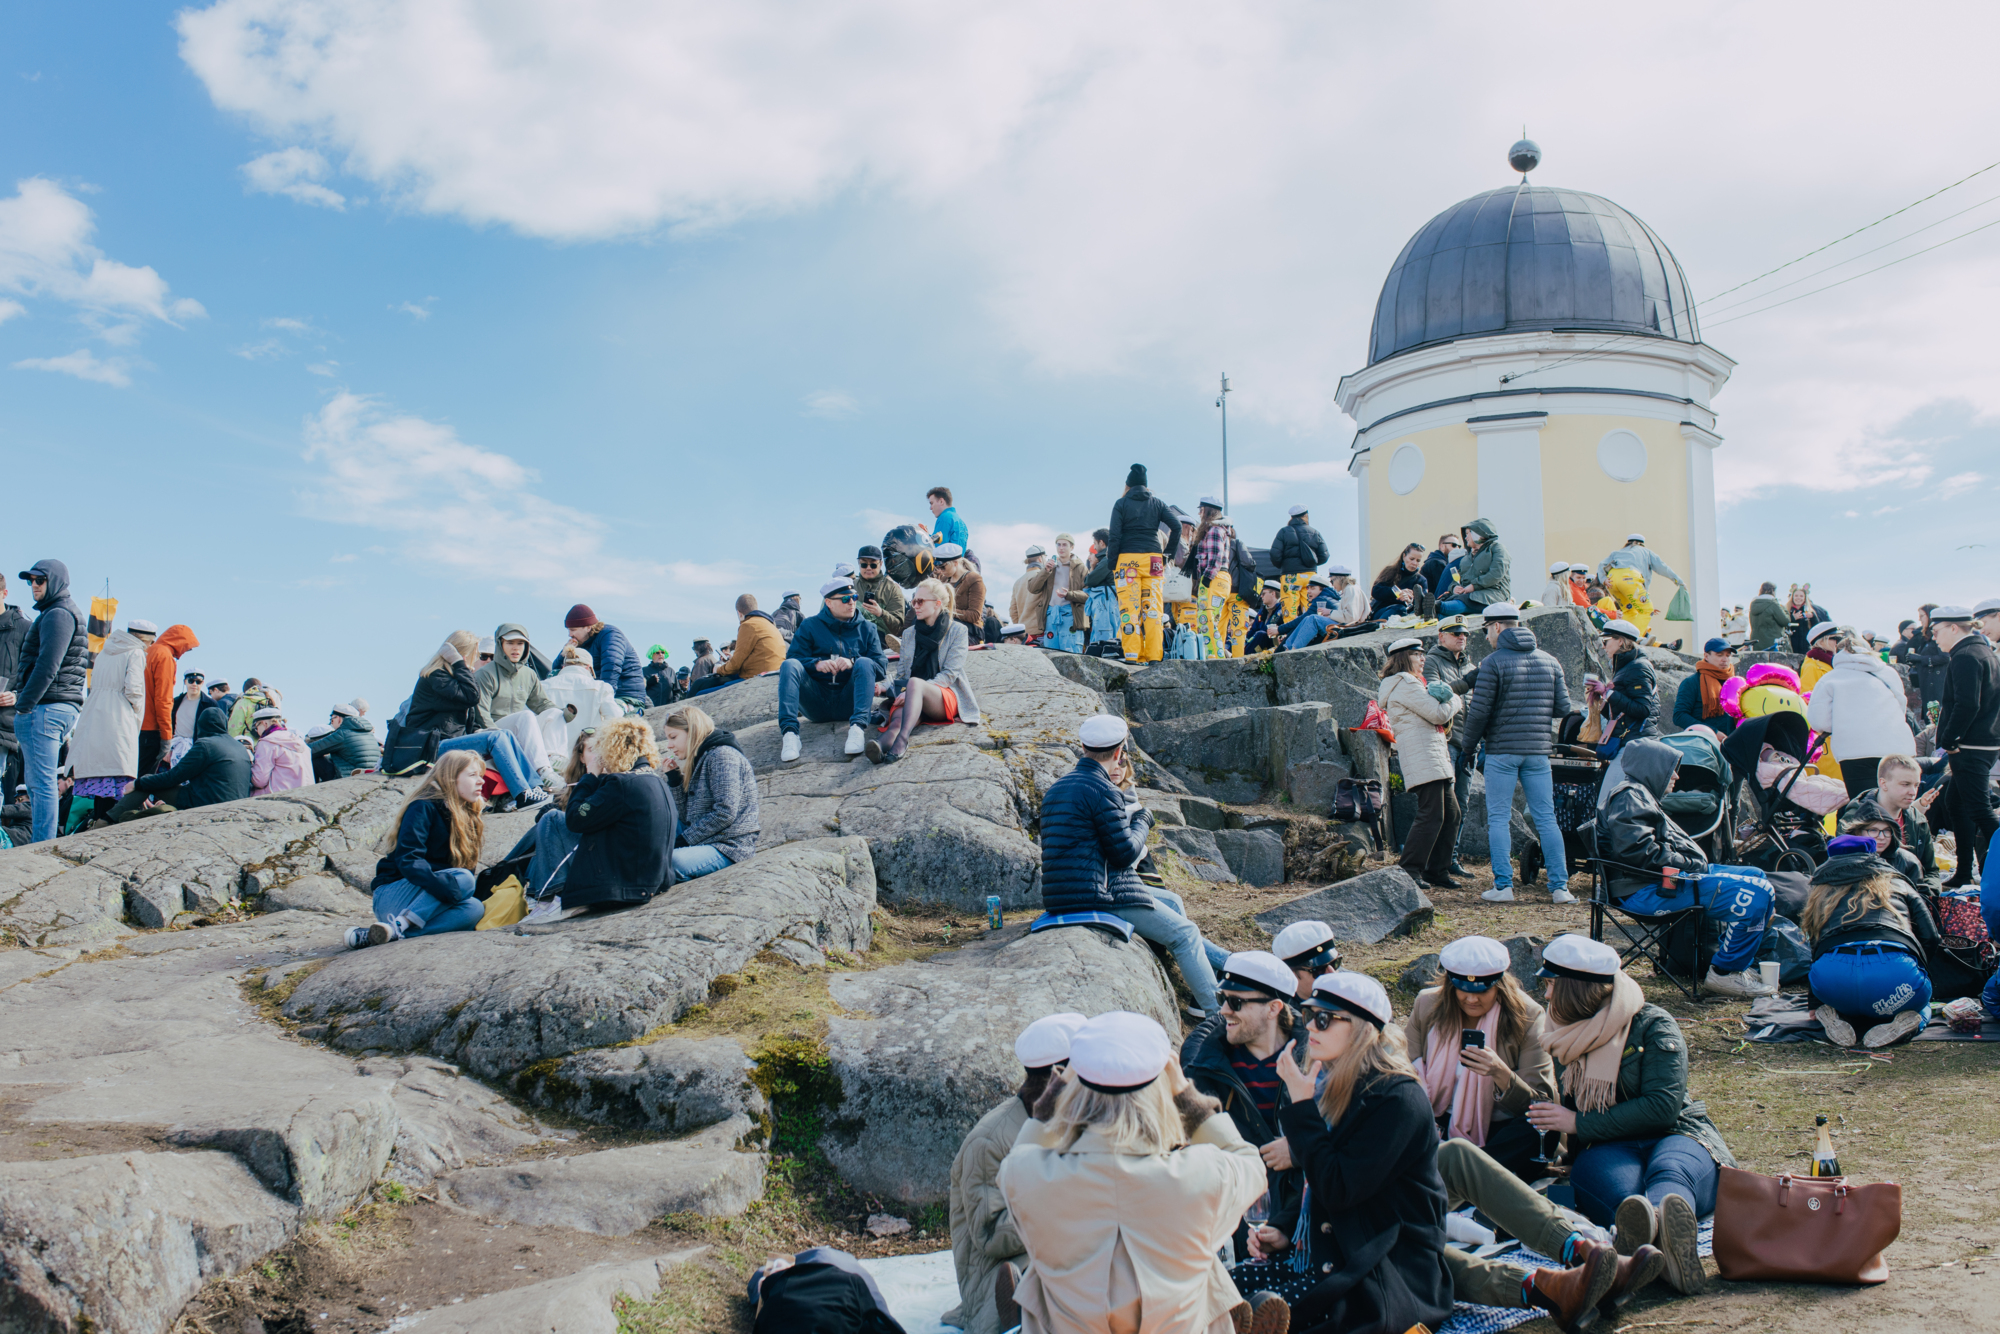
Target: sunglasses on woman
x: 1321, y: 1020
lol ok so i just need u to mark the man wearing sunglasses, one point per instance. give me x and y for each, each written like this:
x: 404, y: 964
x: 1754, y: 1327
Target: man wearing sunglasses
x: 54, y: 660
x: 1307, y: 949
x: 881, y: 598
x: 1233, y: 1058
x: 830, y: 671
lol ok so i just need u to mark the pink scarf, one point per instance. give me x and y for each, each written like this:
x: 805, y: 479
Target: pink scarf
x: 1455, y: 1086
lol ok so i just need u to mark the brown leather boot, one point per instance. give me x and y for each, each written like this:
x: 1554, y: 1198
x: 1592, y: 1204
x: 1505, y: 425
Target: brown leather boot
x: 1274, y: 1315
x: 1570, y: 1296
x: 1240, y: 1316
x: 1635, y: 1271
x: 1004, y: 1304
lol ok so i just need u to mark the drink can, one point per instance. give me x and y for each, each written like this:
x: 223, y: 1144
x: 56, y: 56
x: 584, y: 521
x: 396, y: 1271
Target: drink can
x: 993, y: 921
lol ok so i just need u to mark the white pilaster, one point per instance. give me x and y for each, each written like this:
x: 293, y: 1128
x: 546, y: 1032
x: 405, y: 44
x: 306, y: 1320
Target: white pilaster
x: 1357, y: 468
x: 1705, y: 579
x: 1510, y: 495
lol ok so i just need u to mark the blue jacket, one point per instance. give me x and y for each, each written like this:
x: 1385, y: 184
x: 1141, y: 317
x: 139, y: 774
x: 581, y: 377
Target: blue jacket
x: 423, y: 848
x: 826, y: 636
x: 951, y: 528
x: 1087, y: 834
x: 618, y: 663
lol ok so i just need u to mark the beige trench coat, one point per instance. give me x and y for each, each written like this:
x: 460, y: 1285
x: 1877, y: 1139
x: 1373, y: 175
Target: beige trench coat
x: 1415, y: 718
x: 105, y: 743
x: 982, y: 1231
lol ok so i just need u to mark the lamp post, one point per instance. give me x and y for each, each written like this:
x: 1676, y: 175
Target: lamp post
x: 1222, y: 401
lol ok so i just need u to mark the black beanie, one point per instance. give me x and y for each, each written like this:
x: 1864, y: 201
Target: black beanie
x: 1137, y: 477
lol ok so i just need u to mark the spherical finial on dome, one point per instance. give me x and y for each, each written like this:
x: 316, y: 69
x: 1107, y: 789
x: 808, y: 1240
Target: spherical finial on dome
x: 1524, y: 156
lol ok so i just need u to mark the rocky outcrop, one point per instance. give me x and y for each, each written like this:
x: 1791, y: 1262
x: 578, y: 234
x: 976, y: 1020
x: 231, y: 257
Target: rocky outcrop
x: 497, y: 1002
x: 1366, y: 909
x: 579, y: 1303
x: 927, y: 1048
x: 1239, y: 754
x: 673, y: 1086
x: 444, y: 1120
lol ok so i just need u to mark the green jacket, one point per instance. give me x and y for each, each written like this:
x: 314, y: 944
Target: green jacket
x: 1487, y: 570
x: 507, y: 687
x: 1652, y: 1092
x: 889, y: 595
x: 1769, y: 623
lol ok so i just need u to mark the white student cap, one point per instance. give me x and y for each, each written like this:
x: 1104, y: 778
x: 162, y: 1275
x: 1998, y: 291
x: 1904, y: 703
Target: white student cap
x: 1296, y: 510
x: 1501, y: 611
x: 142, y: 627
x: 832, y: 586
x: 1474, y: 962
x: 1978, y: 609
x: 266, y: 713
x: 1625, y: 628
x: 486, y: 646
x: 1119, y: 1052
x: 1579, y: 957
x: 1013, y: 628
x: 1950, y: 614
x: 1102, y: 731
x: 1320, y: 580
x: 1306, y: 945
x: 1561, y: 567
x: 346, y: 711
x: 788, y: 593
x: 948, y: 551
x: 1355, y: 993
x: 1408, y: 641
x: 1823, y: 629
x: 843, y: 571
x: 1579, y: 568
x: 1635, y: 537
x: 1210, y: 502
x: 1046, y: 1041
x: 1339, y: 572
x: 1258, y: 971
x: 1034, y: 551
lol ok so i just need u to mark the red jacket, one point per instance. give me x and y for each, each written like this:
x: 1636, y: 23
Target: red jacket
x: 162, y: 661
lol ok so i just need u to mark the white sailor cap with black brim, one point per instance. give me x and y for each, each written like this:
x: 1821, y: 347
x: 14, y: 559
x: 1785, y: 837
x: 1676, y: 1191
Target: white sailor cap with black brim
x: 1259, y: 972
x: 1355, y: 994
x: 1579, y: 958
x: 1474, y: 963
x: 1046, y: 1041
x: 1307, y: 945
x: 1119, y: 1052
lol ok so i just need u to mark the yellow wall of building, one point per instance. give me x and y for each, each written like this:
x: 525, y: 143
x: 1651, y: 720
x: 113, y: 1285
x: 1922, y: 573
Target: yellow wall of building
x: 1587, y: 513
x: 1443, y: 502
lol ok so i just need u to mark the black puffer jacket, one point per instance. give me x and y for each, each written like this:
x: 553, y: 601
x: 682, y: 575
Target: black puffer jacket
x: 1136, y: 520
x: 1298, y: 548
x: 1906, y: 921
x: 1441, y: 664
x: 628, y: 824
x: 1633, y: 706
x: 1971, y: 713
x: 443, y: 702
x: 1087, y: 832
x: 55, y: 654
x: 1632, y: 829
x: 1519, y: 692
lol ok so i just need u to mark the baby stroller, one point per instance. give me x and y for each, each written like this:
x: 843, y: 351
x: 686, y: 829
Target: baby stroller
x: 1576, y: 773
x: 1781, y: 835
x: 1701, y: 801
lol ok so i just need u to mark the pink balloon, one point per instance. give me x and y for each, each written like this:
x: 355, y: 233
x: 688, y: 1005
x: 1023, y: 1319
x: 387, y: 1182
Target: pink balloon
x: 1732, y: 697
x: 1773, y: 673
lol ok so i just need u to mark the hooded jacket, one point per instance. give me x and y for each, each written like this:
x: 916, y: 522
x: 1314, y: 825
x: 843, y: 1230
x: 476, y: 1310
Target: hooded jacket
x: 215, y: 769
x: 55, y: 656
x: 1906, y: 921
x: 106, y: 741
x: 1298, y: 548
x: 1971, y: 713
x: 1088, y: 831
x: 618, y: 664
x: 759, y: 648
x: 825, y: 635
x: 163, y: 657
x: 1860, y: 706
x: 720, y: 808
x: 1637, y: 833
x: 1416, y: 719
x: 1518, y: 692
x: 1205, y: 1060
x: 1915, y: 854
x: 1769, y: 623
x: 575, y: 688
x: 1487, y: 571
x: 281, y: 762
x: 627, y: 825
x: 1633, y: 706
x: 13, y: 633
x: 788, y: 615
x: 1136, y: 520
x: 352, y: 746
x: 507, y: 687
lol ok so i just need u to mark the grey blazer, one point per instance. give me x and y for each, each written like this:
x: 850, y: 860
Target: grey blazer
x: 951, y: 667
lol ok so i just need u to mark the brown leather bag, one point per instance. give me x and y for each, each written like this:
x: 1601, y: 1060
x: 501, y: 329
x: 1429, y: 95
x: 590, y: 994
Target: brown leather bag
x: 1804, y: 1229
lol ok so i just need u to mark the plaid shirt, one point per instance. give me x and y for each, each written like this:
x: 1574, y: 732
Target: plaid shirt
x: 1211, y: 554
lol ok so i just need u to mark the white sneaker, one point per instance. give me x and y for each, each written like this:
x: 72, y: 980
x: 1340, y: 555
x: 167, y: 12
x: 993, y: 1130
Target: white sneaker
x: 1895, y: 1030
x: 545, y: 910
x: 1561, y: 896
x: 1838, y: 1030
x: 1746, y: 983
x: 857, y: 740
x: 789, y: 751
x: 1498, y: 895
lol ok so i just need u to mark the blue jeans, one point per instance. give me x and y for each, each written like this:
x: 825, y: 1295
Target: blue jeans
x: 1061, y: 628
x: 1308, y: 630
x: 1736, y: 898
x: 1604, y: 1174
x: 41, y: 732
x: 550, y: 846
x: 434, y: 916
x: 1533, y: 774
x: 502, y: 752
x: 1873, y: 982
x: 697, y: 861
x: 1455, y: 607
x: 1989, y: 890
x: 1167, y: 924
x: 824, y: 700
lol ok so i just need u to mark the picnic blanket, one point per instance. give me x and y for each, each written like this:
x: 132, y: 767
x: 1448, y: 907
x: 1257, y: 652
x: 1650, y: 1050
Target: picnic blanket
x: 1785, y: 1018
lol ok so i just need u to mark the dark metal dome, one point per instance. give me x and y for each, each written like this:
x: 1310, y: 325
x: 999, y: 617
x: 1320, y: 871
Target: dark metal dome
x: 1531, y: 257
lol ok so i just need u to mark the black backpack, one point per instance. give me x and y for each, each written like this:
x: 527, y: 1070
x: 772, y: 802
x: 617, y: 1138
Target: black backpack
x: 1243, y: 577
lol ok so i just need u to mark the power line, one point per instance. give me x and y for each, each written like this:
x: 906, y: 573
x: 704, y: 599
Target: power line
x: 1863, y: 274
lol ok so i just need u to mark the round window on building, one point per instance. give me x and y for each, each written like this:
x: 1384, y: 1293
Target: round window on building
x: 1406, y: 469
x: 1622, y: 455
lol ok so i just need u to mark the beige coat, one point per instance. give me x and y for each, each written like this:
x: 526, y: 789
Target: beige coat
x: 1122, y: 1244
x: 982, y: 1231
x: 1415, y: 719
x: 1030, y: 601
x: 105, y: 743
x: 1534, y: 1072
x: 1077, y: 593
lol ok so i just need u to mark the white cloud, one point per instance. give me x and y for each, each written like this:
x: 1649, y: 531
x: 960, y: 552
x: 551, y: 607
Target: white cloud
x: 46, y: 251
x: 11, y: 309
x: 1957, y: 485
x: 294, y: 173
x: 421, y: 310
x: 325, y: 368
x: 1255, y: 482
x: 263, y: 351
x: 831, y: 404
x: 469, y: 511
x: 289, y: 325
x: 83, y: 365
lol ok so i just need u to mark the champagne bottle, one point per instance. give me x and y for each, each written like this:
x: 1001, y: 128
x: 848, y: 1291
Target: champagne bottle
x: 1824, y: 1164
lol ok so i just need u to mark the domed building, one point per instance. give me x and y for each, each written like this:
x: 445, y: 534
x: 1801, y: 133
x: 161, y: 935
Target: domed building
x: 1536, y: 361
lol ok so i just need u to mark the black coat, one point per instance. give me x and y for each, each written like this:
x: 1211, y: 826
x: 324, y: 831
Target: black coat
x: 660, y: 682
x: 423, y: 848
x: 443, y: 702
x: 1635, y: 832
x: 1633, y: 706
x: 13, y: 631
x: 215, y: 769
x: 1136, y: 520
x: 1383, y: 596
x: 1971, y: 713
x: 1086, y: 835
x: 1375, y: 1235
x: 1298, y: 548
x: 1928, y: 662
x: 1205, y: 1059
x: 628, y: 823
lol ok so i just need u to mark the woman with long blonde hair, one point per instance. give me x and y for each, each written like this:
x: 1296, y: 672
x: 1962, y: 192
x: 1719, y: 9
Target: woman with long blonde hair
x: 1124, y: 1193
x: 624, y: 819
x: 1872, y: 938
x: 424, y: 886
x: 1369, y: 1250
x: 930, y: 674
x: 445, y: 707
x: 717, y: 793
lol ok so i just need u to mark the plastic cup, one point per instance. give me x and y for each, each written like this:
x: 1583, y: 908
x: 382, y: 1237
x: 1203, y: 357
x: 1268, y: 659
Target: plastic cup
x: 1768, y: 969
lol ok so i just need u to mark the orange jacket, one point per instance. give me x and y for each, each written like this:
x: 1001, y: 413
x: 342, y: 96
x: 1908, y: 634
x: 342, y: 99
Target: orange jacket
x: 163, y: 656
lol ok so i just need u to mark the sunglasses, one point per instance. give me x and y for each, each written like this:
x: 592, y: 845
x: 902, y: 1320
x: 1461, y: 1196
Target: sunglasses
x: 1235, y: 1004
x: 841, y: 597
x: 867, y: 564
x: 1321, y: 1020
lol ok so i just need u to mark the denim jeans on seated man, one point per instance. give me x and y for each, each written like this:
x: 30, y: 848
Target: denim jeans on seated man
x: 1166, y: 923
x: 502, y: 754
x: 822, y: 699
x: 1455, y: 607
x: 700, y: 860
x: 1309, y: 630
x: 41, y: 732
x: 1736, y: 898
x: 1537, y: 780
x: 433, y: 916
x: 549, y: 845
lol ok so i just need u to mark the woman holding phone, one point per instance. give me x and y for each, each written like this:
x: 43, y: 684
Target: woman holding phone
x: 1477, y: 1036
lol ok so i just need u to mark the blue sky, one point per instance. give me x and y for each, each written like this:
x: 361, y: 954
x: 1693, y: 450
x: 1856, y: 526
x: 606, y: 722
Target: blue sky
x: 329, y: 327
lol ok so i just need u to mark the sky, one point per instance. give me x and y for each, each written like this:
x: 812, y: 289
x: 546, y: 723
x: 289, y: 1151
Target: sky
x: 328, y: 327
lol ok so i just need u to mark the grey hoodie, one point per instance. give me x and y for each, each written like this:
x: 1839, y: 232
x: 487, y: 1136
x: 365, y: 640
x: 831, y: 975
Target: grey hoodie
x: 508, y: 687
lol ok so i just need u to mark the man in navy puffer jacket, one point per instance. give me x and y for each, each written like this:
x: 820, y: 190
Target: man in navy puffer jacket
x: 1519, y: 694
x: 830, y: 670
x: 1093, y: 838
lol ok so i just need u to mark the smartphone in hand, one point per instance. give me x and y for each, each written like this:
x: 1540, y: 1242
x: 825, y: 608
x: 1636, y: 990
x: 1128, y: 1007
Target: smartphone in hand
x: 1471, y: 1037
